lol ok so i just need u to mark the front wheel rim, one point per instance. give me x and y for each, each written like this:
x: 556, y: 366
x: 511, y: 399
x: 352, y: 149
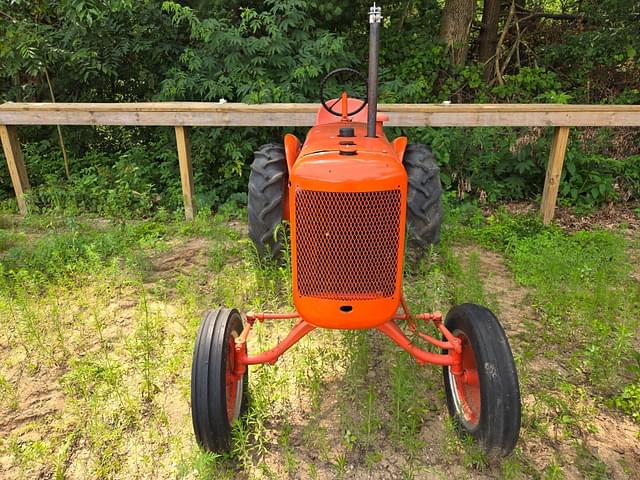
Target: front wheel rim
x: 234, y: 387
x: 465, y: 388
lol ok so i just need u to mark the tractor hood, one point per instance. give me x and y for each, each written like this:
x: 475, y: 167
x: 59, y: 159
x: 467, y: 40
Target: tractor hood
x: 345, y: 136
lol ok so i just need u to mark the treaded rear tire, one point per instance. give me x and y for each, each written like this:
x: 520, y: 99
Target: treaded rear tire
x: 265, y: 205
x: 424, y: 207
x: 497, y: 425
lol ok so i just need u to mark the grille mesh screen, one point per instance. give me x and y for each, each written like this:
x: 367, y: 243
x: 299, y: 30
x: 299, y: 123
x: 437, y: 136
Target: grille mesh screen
x: 347, y: 243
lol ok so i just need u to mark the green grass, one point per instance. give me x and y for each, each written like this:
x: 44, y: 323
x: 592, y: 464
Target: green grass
x: 581, y: 285
x: 104, y: 314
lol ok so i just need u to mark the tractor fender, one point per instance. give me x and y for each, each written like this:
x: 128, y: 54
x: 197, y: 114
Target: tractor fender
x: 400, y: 145
x: 292, y: 148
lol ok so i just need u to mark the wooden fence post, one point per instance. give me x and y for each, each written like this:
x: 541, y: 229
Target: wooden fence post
x: 554, y: 171
x: 186, y: 171
x: 17, y: 170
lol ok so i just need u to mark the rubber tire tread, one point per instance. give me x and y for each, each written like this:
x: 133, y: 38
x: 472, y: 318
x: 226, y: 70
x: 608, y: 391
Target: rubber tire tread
x: 424, y: 202
x: 208, y: 387
x: 499, y: 425
x: 267, y: 183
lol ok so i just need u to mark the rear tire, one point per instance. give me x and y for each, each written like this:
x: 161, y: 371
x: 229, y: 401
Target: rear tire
x: 424, y: 207
x: 267, y: 184
x: 217, y: 400
x: 487, y: 408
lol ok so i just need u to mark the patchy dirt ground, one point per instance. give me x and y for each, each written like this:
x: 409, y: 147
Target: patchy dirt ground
x: 520, y: 320
x: 338, y: 405
x: 611, y: 217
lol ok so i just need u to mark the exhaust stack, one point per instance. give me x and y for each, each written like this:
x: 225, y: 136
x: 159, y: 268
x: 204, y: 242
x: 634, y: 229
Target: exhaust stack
x: 375, y: 16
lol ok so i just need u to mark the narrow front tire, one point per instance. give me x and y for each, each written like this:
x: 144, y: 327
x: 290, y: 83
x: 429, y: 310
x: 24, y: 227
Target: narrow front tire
x: 484, y: 401
x: 218, y: 398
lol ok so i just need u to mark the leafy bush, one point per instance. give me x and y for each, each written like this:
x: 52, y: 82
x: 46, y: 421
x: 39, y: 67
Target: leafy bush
x: 278, y: 51
x: 494, y: 164
x: 531, y: 84
x: 591, y: 180
x: 629, y: 401
x: 125, y: 186
x: 278, y: 54
x: 503, y: 231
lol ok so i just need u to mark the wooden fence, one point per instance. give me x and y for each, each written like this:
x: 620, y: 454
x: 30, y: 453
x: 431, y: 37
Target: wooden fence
x: 182, y: 115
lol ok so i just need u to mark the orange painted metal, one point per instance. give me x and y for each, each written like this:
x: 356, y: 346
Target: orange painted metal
x: 231, y: 379
x: 459, y: 358
x: 251, y: 316
x: 467, y: 384
x: 324, y: 116
x: 400, y: 145
x: 300, y: 329
x: 292, y: 147
x: 393, y: 331
x: 344, y: 106
x: 407, y: 315
x: 347, y: 199
x: 433, y: 341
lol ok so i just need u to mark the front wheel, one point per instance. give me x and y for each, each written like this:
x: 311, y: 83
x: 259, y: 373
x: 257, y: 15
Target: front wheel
x: 485, y: 400
x: 218, y: 398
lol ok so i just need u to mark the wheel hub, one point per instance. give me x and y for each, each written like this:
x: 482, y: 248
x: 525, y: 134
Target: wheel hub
x: 466, y: 386
x: 234, y: 390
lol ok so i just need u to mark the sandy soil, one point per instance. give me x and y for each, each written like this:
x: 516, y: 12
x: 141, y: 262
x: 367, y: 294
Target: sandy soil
x: 610, y: 217
x: 614, y: 439
x: 515, y: 310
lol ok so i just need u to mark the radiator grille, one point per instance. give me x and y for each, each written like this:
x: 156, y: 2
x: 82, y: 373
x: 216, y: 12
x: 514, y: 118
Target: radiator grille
x: 347, y: 243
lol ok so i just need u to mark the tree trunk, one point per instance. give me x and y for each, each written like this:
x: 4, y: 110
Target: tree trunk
x: 489, y: 36
x: 455, y: 25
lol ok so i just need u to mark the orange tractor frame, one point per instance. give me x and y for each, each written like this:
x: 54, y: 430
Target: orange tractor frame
x: 345, y: 194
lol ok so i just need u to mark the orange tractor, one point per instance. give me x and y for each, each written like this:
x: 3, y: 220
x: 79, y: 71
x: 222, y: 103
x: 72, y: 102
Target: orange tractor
x: 350, y: 196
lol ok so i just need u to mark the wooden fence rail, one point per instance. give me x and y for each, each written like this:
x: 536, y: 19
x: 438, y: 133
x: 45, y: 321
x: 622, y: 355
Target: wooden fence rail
x: 182, y: 115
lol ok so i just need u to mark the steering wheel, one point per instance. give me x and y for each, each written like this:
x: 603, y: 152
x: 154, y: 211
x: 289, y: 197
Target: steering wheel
x: 343, y: 76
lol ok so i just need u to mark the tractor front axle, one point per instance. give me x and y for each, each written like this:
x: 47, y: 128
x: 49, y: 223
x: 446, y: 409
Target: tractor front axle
x: 391, y: 329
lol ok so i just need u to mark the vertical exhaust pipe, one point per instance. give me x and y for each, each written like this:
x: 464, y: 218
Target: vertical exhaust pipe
x: 375, y: 16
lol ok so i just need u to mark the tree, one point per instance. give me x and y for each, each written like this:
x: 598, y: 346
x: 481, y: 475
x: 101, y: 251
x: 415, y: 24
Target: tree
x: 489, y: 36
x: 84, y: 51
x: 273, y: 54
x: 455, y: 26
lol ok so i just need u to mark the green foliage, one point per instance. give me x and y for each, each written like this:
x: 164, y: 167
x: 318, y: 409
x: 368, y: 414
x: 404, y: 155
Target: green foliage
x: 600, y: 61
x: 583, y: 284
x: 278, y: 51
x: 258, y: 59
x: 85, y: 51
x: 629, y: 401
x: 592, y: 180
x: 122, y: 184
x: 509, y: 164
x: 77, y: 248
x: 503, y: 231
x: 584, y: 183
x: 496, y: 164
x: 531, y: 83
x: 114, y: 50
